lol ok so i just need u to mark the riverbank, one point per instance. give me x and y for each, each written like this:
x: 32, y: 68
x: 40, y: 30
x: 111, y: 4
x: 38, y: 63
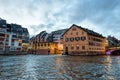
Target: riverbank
x: 13, y: 53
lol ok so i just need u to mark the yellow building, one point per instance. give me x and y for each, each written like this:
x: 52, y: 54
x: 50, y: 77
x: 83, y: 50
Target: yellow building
x: 25, y: 47
x: 81, y: 41
x: 45, y: 48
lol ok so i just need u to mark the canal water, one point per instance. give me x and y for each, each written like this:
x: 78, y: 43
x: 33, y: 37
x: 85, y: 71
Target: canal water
x: 59, y: 67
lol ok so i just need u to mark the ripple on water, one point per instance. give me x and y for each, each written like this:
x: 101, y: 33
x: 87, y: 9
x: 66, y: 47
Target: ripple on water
x: 56, y: 67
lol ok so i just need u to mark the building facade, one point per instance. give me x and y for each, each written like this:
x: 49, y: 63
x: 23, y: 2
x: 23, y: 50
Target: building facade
x: 42, y: 44
x: 46, y: 48
x: 11, y: 37
x: 82, y: 41
x: 47, y: 43
x: 56, y: 37
x: 2, y: 34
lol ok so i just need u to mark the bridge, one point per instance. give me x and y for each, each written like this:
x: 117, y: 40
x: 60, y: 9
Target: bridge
x: 113, y: 50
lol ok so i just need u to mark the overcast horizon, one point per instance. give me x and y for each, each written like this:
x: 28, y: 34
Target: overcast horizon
x: 102, y: 16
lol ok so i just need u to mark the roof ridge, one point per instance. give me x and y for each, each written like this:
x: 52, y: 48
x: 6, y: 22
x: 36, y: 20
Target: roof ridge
x: 91, y: 32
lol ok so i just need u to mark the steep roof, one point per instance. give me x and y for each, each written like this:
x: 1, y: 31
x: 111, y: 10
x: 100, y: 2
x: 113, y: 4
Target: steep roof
x: 60, y: 31
x: 25, y: 31
x: 90, y: 32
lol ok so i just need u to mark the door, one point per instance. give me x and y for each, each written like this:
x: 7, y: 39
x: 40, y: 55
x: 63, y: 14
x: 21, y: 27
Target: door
x: 66, y: 51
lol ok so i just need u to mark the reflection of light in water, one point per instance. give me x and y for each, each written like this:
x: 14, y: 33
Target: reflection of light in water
x: 60, y: 65
x: 109, y: 67
x: 29, y: 68
x: 108, y: 59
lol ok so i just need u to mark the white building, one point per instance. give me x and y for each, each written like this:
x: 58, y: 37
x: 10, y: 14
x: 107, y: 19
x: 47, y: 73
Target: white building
x: 12, y: 36
x: 57, y: 35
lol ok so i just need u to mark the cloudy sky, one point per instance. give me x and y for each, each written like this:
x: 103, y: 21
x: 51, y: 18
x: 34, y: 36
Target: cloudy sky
x: 102, y: 16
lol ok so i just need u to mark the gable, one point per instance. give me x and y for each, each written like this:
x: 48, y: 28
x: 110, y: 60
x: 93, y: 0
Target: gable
x: 90, y: 32
x: 74, y: 28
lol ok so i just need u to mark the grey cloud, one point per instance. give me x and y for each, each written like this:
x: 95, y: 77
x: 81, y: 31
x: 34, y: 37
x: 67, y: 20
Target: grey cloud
x: 51, y: 14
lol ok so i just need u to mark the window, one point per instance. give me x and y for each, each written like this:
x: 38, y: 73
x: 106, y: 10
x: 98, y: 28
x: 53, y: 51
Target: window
x: 38, y: 44
x: 66, y: 39
x: 83, y: 47
x: 82, y: 32
x: 41, y: 44
x: 73, y: 29
x: 71, y: 33
x: 48, y: 44
x: 77, y: 38
x: 89, y: 38
x: 77, y: 47
x: 83, y: 38
x: 72, y: 47
x: 76, y: 33
x: 71, y: 39
x: 20, y: 44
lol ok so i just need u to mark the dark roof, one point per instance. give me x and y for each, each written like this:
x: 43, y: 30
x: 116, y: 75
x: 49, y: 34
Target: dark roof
x: 16, y: 28
x: 60, y: 31
x: 90, y: 32
x: 25, y: 31
x: 2, y: 23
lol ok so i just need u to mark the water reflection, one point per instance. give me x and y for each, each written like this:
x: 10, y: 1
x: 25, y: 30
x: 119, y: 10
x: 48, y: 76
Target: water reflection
x: 56, y: 67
